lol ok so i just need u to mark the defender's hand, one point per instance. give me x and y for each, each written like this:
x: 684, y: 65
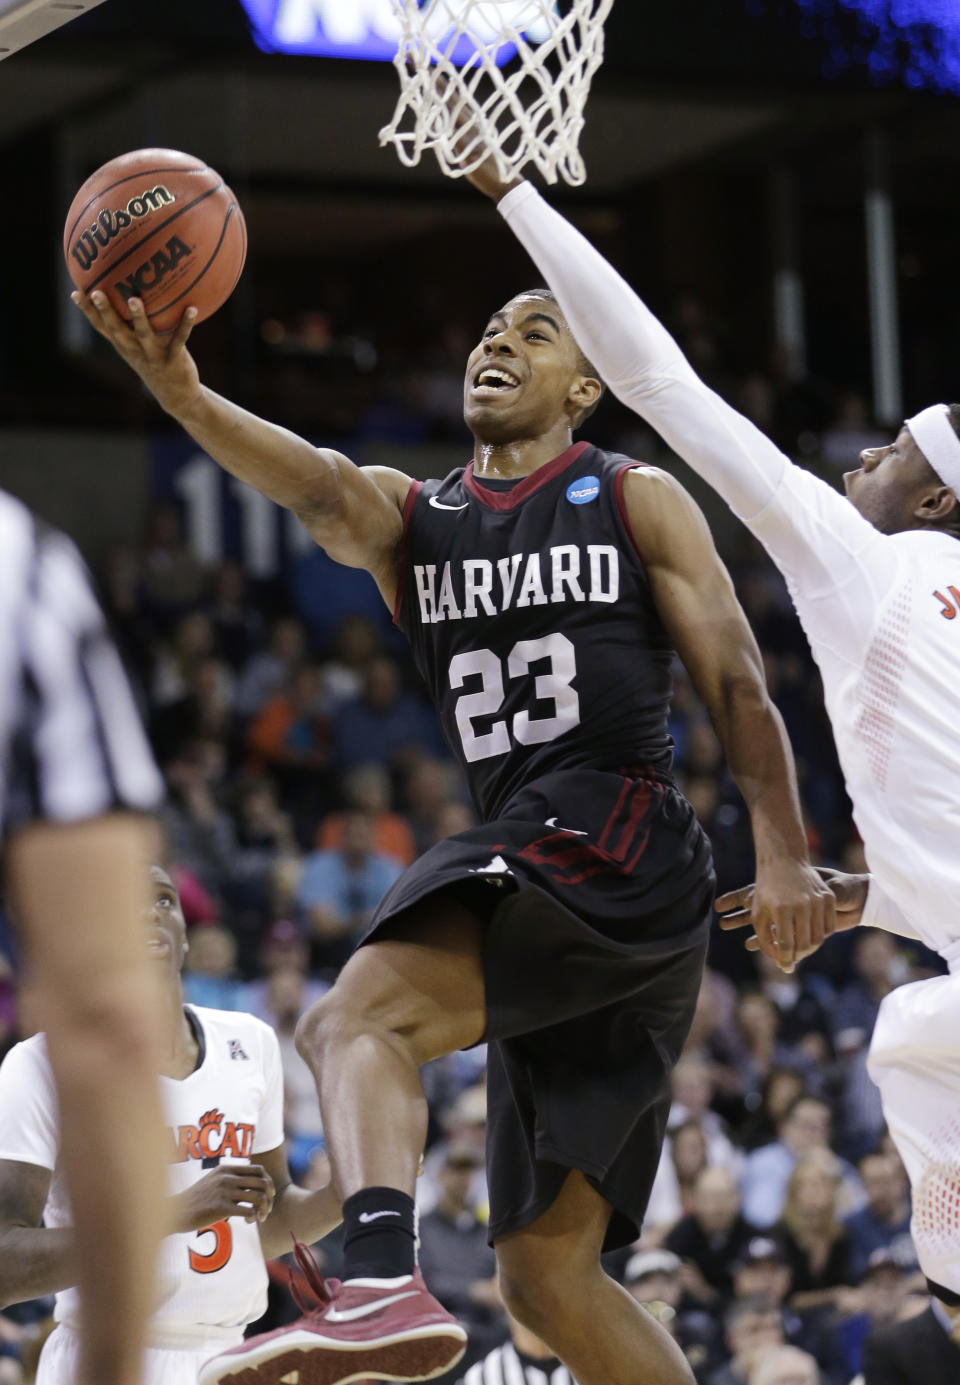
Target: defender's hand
x: 486, y: 178
x: 163, y: 362
x: 791, y: 907
x: 849, y: 897
x: 230, y: 1190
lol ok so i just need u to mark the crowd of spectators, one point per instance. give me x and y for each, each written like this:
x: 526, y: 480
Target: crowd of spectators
x: 305, y: 770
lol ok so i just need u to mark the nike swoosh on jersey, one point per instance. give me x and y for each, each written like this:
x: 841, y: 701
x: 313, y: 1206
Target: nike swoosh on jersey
x: 552, y: 822
x: 372, y: 1216
x: 365, y: 1309
x: 439, y: 505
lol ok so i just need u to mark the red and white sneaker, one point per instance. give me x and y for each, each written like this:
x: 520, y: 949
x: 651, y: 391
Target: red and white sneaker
x: 359, y: 1331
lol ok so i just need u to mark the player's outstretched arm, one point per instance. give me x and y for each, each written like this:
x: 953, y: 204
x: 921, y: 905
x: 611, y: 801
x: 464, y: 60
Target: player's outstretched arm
x: 353, y: 513
x: 791, y: 908
x: 814, y: 535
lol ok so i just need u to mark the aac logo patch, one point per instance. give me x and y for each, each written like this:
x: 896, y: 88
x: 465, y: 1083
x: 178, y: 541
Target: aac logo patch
x: 583, y: 491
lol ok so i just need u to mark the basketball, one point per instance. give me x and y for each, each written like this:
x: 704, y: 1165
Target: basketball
x: 157, y: 225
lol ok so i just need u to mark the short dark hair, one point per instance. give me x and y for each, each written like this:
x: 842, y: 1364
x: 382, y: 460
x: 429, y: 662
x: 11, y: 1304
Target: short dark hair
x: 584, y: 363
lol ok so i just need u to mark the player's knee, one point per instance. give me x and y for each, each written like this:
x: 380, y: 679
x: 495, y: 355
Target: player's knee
x: 537, y: 1296
x: 324, y: 1017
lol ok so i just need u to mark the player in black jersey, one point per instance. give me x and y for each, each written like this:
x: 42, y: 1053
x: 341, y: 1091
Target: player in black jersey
x: 543, y: 589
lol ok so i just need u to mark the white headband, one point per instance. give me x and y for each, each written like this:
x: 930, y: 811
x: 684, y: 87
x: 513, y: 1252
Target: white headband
x: 933, y: 433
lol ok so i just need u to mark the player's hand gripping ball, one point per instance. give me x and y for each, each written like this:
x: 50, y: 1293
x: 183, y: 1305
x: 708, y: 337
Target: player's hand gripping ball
x: 160, y: 226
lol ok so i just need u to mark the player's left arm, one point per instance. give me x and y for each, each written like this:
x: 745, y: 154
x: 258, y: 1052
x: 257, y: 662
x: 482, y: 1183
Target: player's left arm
x: 295, y: 1212
x: 792, y: 909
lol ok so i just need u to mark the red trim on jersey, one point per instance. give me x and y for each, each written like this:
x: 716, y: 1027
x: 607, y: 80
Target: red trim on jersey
x: 412, y: 493
x: 618, y: 481
x: 509, y: 500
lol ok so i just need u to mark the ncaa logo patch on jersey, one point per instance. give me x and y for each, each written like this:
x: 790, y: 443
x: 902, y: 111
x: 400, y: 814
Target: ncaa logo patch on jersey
x: 583, y: 491
x: 235, y: 1048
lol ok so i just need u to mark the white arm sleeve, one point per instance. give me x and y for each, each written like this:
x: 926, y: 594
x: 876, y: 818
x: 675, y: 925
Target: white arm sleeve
x: 881, y: 912
x: 29, y: 1123
x: 815, y: 536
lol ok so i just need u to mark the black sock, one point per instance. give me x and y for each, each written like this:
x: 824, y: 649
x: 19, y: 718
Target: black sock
x: 379, y: 1234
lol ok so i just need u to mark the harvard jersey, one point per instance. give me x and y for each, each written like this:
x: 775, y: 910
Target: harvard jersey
x: 532, y: 623
x: 230, y: 1108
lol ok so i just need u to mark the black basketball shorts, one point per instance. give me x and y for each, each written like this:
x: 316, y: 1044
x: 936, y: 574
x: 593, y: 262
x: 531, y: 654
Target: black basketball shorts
x: 596, y: 889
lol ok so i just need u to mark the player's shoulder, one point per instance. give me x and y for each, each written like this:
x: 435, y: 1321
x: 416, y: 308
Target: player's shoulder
x: 925, y: 545
x: 28, y: 1058
x: 393, y: 484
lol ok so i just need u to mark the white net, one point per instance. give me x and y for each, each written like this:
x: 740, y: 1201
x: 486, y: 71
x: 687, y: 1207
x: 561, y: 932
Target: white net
x: 507, y: 77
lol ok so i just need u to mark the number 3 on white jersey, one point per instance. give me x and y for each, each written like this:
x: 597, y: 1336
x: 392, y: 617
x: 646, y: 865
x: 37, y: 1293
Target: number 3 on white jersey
x: 555, y: 686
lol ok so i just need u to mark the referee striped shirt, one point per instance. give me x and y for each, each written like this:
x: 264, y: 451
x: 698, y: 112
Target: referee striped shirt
x: 505, y: 1366
x: 71, y: 742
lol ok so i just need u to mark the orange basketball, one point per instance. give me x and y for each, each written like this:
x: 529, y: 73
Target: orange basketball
x: 160, y: 226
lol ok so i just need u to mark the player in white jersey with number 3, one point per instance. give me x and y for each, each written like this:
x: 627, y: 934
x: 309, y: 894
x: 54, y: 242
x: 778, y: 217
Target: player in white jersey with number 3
x: 875, y: 578
x: 230, y: 1199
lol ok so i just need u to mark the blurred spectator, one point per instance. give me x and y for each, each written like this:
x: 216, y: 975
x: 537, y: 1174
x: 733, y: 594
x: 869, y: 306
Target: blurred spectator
x: 879, y: 1300
x: 805, y: 1125
x: 366, y: 789
x: 431, y: 787
x: 172, y: 579
x: 355, y: 643
x: 454, y: 1255
x: 780, y: 1089
x: 655, y: 1277
x: 785, y: 1366
x: 682, y: 1160
x: 711, y: 1237
x: 284, y: 1003
x: 210, y: 977
x: 878, y: 967
x: 751, y: 1327
x: 237, y: 624
x: 176, y: 660
x: 384, y: 723
x: 264, y: 839
x: 759, y: 1048
x: 802, y: 1018
x: 284, y: 949
x: 290, y: 733
x: 464, y: 1126
x: 919, y: 1350
x: 199, y: 833
x: 692, y: 1088
x: 339, y: 890
x: 883, y: 1223
x: 813, y: 1234
x: 270, y: 670
x: 204, y: 712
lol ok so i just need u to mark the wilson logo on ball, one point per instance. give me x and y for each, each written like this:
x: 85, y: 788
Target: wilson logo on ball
x: 97, y: 237
x: 153, y: 270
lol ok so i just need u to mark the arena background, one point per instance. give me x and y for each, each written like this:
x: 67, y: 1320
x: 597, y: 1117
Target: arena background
x: 779, y: 178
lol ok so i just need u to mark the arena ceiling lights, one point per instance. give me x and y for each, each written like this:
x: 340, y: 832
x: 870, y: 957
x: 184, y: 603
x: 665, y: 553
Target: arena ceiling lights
x: 339, y: 28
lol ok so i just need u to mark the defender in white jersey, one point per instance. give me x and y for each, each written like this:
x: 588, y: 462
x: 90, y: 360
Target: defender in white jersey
x: 875, y: 579
x: 230, y: 1199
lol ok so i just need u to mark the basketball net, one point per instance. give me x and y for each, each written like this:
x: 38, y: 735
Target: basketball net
x: 457, y: 98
